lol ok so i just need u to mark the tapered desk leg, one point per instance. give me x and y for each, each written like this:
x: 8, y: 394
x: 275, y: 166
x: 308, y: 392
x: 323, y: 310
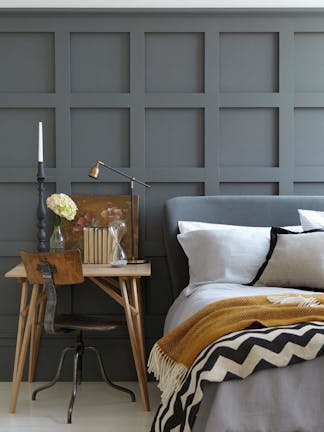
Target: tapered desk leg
x: 138, y: 321
x: 136, y: 348
x: 23, y: 350
x: 135, y: 301
x: 36, y: 333
x: 32, y: 342
x: 21, y: 322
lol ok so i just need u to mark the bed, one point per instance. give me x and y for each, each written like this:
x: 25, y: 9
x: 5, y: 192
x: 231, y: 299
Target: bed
x: 282, y: 399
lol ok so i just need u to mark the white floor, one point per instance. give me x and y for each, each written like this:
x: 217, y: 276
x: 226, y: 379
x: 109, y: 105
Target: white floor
x: 97, y: 408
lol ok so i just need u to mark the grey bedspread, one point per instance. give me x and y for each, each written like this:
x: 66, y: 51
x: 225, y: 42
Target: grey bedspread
x: 274, y: 400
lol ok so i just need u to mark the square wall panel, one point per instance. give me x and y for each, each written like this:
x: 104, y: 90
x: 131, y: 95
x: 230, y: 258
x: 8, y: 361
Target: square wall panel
x: 100, y: 134
x: 174, y: 137
x: 19, y: 136
x: 243, y: 188
x: 155, y: 199
x: 100, y: 62
x: 249, y: 62
x: 27, y: 62
x: 309, y: 62
x: 174, y: 62
x: 249, y: 137
x: 309, y: 188
x: 309, y: 136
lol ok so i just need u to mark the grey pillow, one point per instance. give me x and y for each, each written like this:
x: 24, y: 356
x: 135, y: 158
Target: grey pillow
x: 293, y: 260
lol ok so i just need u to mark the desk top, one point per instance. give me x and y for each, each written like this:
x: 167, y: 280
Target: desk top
x: 96, y: 270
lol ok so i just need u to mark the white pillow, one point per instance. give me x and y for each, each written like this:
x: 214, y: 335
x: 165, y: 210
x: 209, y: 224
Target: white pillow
x: 311, y: 219
x: 224, y: 255
x: 294, y: 260
x: 186, y: 226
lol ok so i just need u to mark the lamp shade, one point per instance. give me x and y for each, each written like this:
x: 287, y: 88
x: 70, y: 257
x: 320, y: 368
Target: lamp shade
x: 94, y: 171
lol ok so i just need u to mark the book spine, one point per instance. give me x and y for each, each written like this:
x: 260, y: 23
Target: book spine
x: 91, y: 245
x: 86, y: 245
x: 105, y: 245
x: 99, y: 232
x: 95, y: 246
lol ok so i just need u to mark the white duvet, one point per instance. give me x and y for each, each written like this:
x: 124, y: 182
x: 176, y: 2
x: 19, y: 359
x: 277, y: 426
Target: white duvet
x: 184, y: 306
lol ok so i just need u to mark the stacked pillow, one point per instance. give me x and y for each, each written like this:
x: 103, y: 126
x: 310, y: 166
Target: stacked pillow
x: 296, y: 261
x: 293, y: 260
x: 311, y: 219
x: 263, y: 256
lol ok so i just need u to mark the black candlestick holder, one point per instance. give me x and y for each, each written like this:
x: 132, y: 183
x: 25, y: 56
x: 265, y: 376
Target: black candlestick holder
x: 41, y: 209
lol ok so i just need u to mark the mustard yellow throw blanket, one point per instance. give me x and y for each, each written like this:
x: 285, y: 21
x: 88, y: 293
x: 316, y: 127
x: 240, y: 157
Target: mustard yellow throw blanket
x: 174, y: 353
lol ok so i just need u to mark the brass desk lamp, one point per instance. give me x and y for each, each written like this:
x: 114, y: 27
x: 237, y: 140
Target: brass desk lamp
x: 94, y: 173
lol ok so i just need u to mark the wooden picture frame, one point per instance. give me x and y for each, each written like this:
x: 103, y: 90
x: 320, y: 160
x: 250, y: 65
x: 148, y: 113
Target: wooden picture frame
x: 100, y: 211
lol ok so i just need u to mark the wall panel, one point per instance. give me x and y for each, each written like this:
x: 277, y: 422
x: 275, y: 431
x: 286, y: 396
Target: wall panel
x: 18, y: 135
x: 107, y: 66
x: 96, y: 133
x: 174, y: 62
x: 249, y: 137
x: 192, y: 103
x: 309, y: 136
x: 249, y: 62
x: 27, y: 63
x: 309, y: 62
x: 174, y: 137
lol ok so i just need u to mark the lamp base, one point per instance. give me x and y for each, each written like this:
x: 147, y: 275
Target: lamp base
x: 136, y: 261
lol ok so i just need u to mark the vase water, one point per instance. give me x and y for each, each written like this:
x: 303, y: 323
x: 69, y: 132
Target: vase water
x: 57, y: 243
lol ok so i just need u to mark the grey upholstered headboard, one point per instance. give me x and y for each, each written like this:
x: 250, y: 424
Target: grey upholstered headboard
x: 235, y: 210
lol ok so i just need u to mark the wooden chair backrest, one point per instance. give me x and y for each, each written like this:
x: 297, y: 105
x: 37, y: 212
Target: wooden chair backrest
x: 67, y: 266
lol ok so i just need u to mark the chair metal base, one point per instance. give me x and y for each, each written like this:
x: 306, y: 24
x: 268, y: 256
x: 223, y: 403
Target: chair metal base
x: 79, y: 349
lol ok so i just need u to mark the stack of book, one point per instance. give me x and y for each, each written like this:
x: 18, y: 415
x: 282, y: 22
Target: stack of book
x: 97, y: 245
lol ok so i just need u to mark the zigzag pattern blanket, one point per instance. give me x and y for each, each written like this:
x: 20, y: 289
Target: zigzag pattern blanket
x: 236, y: 356
x: 212, y: 346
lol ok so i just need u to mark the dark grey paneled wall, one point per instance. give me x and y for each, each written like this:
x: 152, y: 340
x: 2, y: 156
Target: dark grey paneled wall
x: 193, y: 103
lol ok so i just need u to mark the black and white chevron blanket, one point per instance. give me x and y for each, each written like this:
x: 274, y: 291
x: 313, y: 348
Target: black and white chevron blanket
x: 236, y: 356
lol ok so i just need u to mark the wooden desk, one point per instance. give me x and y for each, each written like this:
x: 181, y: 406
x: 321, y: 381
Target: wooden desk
x: 120, y: 283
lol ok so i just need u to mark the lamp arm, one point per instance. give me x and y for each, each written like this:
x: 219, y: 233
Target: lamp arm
x: 123, y: 174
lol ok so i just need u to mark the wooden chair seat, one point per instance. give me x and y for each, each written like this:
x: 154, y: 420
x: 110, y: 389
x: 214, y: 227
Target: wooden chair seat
x: 85, y: 323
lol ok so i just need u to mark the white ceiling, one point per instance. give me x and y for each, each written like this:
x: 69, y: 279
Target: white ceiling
x: 162, y: 3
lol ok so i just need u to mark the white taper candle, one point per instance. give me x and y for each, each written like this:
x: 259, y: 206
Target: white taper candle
x: 40, y: 142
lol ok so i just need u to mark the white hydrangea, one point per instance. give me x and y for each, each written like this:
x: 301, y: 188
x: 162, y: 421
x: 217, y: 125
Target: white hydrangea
x: 62, y: 205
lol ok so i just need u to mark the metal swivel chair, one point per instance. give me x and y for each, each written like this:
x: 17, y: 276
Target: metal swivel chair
x: 58, y: 269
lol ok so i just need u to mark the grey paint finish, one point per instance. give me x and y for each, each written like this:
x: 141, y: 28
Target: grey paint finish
x: 174, y: 62
x: 18, y: 143
x: 99, y: 133
x: 309, y: 133
x: 174, y: 137
x: 244, y: 144
x: 251, y: 68
x: 107, y: 63
x: 27, y: 62
x: 192, y: 102
x: 309, y: 62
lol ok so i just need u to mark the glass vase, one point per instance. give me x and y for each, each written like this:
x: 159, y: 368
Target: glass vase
x: 56, y: 242
x: 116, y: 254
